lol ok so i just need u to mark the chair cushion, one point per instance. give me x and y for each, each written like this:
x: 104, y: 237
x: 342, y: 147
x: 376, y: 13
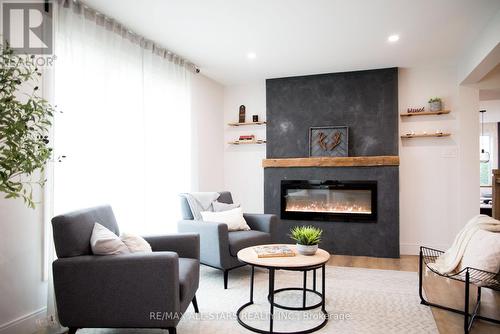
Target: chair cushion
x: 189, y: 273
x: 242, y: 239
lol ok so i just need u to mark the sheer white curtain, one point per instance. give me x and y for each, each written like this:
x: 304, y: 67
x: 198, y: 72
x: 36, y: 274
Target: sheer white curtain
x: 125, y: 126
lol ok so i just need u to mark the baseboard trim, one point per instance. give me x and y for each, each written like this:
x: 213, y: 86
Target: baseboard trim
x: 24, y: 324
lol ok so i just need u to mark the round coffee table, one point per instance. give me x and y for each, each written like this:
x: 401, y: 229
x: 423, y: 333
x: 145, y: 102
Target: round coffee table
x: 294, y: 263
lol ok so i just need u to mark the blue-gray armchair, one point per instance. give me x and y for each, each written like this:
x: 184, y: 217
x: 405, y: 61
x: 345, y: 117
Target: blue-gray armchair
x: 139, y: 290
x: 218, y: 246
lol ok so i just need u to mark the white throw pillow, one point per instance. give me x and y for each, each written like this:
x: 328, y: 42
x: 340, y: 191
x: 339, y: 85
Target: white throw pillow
x: 105, y: 242
x: 219, y: 206
x: 135, y: 243
x: 233, y: 218
x: 482, y: 251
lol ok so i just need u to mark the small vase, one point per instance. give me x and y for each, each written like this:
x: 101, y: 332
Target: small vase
x: 435, y: 106
x: 307, y: 249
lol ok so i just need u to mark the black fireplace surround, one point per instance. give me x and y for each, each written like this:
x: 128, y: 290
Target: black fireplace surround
x: 344, y: 201
x: 367, y: 103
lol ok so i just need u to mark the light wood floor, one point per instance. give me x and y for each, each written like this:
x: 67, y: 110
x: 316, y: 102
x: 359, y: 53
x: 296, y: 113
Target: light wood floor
x: 438, y: 290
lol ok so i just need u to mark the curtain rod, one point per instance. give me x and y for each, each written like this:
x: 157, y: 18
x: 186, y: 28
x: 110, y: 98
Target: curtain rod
x: 122, y: 30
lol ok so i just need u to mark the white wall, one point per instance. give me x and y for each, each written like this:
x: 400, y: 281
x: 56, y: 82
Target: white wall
x: 23, y: 285
x: 430, y: 167
x: 22, y: 289
x: 243, y: 173
x: 207, y: 103
x: 437, y: 193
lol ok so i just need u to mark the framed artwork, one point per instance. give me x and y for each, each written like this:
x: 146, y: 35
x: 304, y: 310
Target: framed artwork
x: 329, y: 141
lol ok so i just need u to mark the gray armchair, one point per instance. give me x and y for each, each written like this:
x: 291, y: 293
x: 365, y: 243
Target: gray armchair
x: 140, y: 290
x: 218, y: 246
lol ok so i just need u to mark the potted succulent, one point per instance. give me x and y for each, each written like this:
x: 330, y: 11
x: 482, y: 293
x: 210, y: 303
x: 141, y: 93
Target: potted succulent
x: 435, y: 104
x: 307, y: 239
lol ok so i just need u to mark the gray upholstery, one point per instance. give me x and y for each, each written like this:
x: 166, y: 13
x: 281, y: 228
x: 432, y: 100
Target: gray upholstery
x: 72, y: 231
x: 243, y: 239
x: 120, y: 291
x: 215, y: 240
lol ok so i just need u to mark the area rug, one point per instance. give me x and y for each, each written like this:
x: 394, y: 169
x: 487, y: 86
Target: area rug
x: 358, y: 301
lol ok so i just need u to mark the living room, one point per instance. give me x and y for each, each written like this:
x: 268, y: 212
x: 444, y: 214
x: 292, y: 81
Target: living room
x: 235, y: 137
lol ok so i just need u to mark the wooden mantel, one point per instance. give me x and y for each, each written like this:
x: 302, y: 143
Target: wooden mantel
x: 369, y: 161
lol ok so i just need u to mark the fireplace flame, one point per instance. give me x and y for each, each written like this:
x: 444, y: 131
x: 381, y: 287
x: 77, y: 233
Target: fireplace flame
x: 325, y: 207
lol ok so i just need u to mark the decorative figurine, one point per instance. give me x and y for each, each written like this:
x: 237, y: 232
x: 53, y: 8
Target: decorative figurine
x: 255, y: 118
x: 415, y: 110
x: 242, y: 114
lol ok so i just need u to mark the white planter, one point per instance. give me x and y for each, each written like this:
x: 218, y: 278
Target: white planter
x: 435, y: 106
x: 307, y: 249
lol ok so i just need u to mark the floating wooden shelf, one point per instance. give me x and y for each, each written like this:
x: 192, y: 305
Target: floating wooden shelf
x: 426, y: 135
x: 247, y: 123
x: 237, y: 142
x: 368, y: 161
x: 423, y: 113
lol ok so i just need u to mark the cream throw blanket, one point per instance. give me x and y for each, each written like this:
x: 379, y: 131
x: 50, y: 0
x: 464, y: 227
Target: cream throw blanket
x: 450, y: 260
x: 200, y: 201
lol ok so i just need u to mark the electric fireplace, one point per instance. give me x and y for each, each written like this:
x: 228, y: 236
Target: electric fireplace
x: 344, y: 201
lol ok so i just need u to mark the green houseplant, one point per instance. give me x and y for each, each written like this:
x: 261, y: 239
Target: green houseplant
x: 307, y: 238
x: 25, y: 121
x: 435, y: 104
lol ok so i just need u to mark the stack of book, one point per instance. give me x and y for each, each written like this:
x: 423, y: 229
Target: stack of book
x: 247, y: 138
x: 273, y: 251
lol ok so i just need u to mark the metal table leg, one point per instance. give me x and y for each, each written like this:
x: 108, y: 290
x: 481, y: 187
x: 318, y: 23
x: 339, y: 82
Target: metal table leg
x: 271, y: 294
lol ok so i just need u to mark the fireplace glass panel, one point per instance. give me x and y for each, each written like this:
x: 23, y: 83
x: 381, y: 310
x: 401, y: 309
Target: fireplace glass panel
x: 330, y: 200
x: 337, y: 201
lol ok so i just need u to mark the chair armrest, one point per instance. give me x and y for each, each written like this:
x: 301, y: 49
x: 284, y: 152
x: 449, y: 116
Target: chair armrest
x: 261, y: 222
x: 214, y: 242
x: 116, y: 290
x: 184, y: 244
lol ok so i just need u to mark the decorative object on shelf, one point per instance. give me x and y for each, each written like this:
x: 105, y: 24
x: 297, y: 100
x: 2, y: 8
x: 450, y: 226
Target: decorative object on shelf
x: 246, y: 138
x: 435, y: 104
x: 415, y: 110
x: 307, y: 239
x: 484, y: 156
x: 423, y: 113
x: 257, y: 141
x: 248, y: 123
x: 241, y: 118
x: 25, y: 125
x: 255, y: 118
x: 329, y: 141
x: 425, y: 134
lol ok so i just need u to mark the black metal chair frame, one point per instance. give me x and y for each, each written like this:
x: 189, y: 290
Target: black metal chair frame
x: 480, y: 278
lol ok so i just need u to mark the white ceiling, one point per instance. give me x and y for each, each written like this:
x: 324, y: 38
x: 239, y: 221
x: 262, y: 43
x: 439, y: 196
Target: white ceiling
x: 298, y: 37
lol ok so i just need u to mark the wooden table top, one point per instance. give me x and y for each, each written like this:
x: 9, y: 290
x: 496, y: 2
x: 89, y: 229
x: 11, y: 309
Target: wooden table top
x: 248, y: 255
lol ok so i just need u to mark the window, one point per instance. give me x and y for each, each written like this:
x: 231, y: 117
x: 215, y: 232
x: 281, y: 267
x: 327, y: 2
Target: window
x: 125, y: 127
x: 485, y: 167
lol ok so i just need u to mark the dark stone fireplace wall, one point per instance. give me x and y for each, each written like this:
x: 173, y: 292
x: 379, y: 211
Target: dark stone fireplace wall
x: 366, y: 102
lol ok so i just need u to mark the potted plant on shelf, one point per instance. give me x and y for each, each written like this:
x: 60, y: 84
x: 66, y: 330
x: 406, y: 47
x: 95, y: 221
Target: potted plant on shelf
x: 307, y: 239
x: 435, y: 104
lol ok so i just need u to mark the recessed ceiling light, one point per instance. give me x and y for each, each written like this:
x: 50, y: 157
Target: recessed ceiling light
x: 393, y: 38
x: 251, y: 55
